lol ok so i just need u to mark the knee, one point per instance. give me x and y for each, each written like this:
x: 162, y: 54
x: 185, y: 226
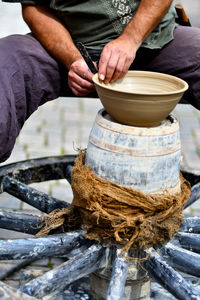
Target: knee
x: 7, y: 142
x: 14, y: 50
x: 9, y: 128
x: 8, y: 47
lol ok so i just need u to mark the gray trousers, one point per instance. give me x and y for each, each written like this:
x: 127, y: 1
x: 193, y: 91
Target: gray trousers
x: 29, y: 76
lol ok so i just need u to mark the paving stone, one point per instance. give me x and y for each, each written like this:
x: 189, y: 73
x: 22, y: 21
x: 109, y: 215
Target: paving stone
x: 12, y: 283
x: 41, y: 262
x: 38, y: 267
x: 6, y: 265
x: 15, y: 276
x: 30, y: 209
x: 8, y: 201
x: 57, y: 261
x: 9, y: 234
x: 59, y: 189
x: 27, y: 275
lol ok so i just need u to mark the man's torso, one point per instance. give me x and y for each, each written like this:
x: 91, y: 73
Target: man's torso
x: 97, y: 22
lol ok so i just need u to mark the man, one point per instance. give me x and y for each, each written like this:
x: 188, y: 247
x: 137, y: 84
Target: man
x: 119, y: 35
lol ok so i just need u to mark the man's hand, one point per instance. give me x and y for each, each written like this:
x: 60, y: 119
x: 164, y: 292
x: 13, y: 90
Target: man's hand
x: 57, y: 40
x: 118, y: 55
x: 80, y: 78
x: 116, y: 58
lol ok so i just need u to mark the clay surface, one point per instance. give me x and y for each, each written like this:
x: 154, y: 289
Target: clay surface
x: 141, y: 98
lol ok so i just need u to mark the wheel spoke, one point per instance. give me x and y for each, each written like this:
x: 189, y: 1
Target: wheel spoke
x: 31, y: 196
x: 38, y: 170
x: 181, y: 259
x: 159, y: 293
x: 21, y: 222
x: 82, y: 256
x: 78, y: 267
x: 169, y: 278
x: 69, y: 173
x: 191, y: 225
x: 192, y: 175
x: 195, y: 195
x: 58, y: 244
x: 190, y: 241
x: 118, y: 277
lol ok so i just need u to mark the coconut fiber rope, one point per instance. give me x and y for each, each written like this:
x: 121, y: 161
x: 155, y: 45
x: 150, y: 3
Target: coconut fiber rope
x: 110, y: 212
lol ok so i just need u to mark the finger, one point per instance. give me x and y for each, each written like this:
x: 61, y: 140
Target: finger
x: 75, y: 78
x: 87, y: 75
x: 112, y: 64
x: 83, y: 88
x: 120, y: 69
x: 80, y: 91
x: 82, y: 70
x: 77, y: 93
x: 105, y: 56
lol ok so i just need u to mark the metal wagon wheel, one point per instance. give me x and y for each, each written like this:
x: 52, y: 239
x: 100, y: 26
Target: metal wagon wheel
x: 176, y: 265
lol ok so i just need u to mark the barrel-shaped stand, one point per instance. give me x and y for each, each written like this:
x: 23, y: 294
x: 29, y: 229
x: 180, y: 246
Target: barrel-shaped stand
x: 147, y: 159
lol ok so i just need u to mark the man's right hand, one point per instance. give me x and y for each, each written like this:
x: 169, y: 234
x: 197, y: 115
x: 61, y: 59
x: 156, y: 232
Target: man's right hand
x: 44, y: 24
x: 80, y: 78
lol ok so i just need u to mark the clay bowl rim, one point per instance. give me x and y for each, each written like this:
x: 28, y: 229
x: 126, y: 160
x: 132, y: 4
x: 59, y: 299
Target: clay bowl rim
x: 101, y: 84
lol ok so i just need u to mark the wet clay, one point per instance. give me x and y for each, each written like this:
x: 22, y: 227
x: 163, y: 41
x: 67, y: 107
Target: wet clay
x: 141, y: 98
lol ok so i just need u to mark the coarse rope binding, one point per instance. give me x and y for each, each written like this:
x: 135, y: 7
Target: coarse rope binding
x: 110, y: 212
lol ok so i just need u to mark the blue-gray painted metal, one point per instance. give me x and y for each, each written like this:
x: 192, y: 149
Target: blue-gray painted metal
x: 191, y: 225
x: 192, y: 175
x: 31, y: 196
x: 159, y: 293
x: 181, y: 259
x: 84, y: 245
x: 190, y: 241
x: 69, y: 173
x: 21, y: 222
x: 81, y: 265
x: 195, y: 195
x: 39, y: 247
x: 169, y: 278
x: 118, y: 277
x: 38, y: 169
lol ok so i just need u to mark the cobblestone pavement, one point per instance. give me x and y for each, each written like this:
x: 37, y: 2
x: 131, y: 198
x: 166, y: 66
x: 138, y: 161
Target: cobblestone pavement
x: 62, y: 126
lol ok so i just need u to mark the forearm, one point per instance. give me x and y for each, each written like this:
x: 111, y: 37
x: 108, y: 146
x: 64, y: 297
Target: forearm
x: 147, y: 17
x: 118, y: 55
x: 52, y: 34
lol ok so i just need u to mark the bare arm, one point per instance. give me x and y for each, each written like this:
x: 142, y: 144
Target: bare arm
x: 118, y: 55
x: 53, y: 35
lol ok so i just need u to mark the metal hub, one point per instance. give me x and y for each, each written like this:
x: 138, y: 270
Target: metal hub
x: 174, y: 268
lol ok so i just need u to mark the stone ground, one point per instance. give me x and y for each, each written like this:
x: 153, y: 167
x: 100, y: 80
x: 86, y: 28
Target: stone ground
x: 62, y: 126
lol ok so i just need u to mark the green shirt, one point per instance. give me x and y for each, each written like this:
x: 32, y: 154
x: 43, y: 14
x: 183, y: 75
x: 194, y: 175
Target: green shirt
x: 97, y: 22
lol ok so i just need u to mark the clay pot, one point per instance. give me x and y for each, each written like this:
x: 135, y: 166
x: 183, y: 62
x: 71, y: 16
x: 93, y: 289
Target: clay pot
x: 141, y: 98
